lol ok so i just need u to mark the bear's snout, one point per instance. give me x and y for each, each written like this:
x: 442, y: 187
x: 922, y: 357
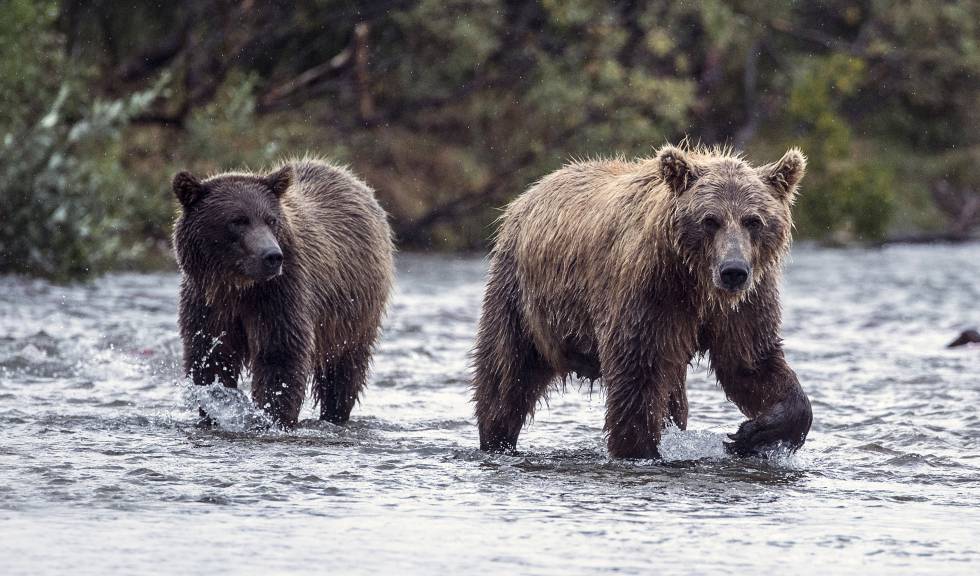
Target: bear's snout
x: 264, y: 256
x: 272, y: 261
x: 734, y: 275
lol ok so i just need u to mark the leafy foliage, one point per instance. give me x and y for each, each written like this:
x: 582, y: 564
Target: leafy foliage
x: 65, y: 194
x: 846, y: 191
x: 30, y: 50
x: 450, y: 108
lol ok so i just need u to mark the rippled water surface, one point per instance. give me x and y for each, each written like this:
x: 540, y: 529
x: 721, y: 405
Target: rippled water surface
x: 101, y: 469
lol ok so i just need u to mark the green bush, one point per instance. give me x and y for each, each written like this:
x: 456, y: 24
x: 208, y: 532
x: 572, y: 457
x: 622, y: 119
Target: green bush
x: 847, y: 195
x: 31, y: 54
x: 451, y: 108
x: 66, y: 197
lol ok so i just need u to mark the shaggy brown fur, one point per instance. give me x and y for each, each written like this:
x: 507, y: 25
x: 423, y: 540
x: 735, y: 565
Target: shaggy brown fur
x: 286, y: 274
x: 625, y: 271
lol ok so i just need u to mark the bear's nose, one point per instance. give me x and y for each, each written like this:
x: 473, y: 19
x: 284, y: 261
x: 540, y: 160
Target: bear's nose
x: 734, y: 275
x: 272, y: 259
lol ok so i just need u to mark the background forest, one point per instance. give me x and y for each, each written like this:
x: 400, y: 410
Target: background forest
x: 449, y: 108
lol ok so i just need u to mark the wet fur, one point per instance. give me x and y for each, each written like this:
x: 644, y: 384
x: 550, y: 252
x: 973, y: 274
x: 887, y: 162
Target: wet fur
x: 603, y: 269
x: 319, y: 319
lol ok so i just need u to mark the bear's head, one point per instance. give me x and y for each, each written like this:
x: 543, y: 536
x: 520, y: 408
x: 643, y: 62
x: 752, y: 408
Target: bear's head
x: 231, y: 226
x: 731, y: 221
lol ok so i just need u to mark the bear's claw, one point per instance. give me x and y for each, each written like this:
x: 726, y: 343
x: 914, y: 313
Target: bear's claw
x: 785, y: 423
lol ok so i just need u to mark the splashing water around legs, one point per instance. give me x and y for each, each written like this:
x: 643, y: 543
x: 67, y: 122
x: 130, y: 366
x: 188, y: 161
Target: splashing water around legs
x: 101, y: 465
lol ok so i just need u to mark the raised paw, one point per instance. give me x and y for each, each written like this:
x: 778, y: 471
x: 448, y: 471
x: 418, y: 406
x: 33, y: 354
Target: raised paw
x: 786, y: 423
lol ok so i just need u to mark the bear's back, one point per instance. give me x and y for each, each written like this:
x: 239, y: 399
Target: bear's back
x: 587, y: 211
x: 332, y: 188
x: 343, y: 240
x: 580, y: 234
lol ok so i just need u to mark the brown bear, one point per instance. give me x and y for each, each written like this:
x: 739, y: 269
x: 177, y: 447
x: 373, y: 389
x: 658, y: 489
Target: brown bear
x: 286, y: 274
x: 625, y: 271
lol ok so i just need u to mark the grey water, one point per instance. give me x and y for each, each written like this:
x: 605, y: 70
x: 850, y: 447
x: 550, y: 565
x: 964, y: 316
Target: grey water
x: 102, y: 470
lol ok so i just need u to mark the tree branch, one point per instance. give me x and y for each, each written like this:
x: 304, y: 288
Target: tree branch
x: 278, y: 96
x: 750, y: 85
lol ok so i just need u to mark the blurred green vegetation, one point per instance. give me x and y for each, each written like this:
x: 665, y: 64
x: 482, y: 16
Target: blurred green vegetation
x: 449, y: 108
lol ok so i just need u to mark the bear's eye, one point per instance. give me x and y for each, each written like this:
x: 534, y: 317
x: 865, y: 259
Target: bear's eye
x: 239, y: 222
x: 752, y: 223
x: 711, y: 224
x: 271, y: 222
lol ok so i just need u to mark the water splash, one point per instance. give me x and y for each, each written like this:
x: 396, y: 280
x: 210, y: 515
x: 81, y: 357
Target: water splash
x: 230, y: 409
x: 684, y: 445
x: 99, y: 440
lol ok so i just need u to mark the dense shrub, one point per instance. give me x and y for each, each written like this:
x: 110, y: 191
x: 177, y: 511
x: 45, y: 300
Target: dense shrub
x: 450, y: 108
x: 66, y: 198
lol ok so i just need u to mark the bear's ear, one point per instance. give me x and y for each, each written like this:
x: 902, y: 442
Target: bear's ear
x: 676, y: 169
x: 188, y: 189
x: 280, y: 180
x: 783, y: 176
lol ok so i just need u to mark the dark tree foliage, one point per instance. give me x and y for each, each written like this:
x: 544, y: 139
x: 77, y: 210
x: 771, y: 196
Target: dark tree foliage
x: 452, y: 107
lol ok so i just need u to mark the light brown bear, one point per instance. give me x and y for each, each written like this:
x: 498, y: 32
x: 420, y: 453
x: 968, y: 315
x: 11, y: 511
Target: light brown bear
x: 625, y: 271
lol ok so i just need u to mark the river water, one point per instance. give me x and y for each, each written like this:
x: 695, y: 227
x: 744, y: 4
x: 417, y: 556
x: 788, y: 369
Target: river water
x: 102, y: 471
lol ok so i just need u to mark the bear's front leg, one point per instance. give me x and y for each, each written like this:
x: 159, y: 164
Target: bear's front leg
x: 769, y: 393
x: 638, y: 403
x: 280, y: 341
x: 279, y: 384
x: 213, y: 346
x: 747, y: 356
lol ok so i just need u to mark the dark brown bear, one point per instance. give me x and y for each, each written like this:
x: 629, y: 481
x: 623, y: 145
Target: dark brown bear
x: 626, y: 271
x: 286, y: 274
